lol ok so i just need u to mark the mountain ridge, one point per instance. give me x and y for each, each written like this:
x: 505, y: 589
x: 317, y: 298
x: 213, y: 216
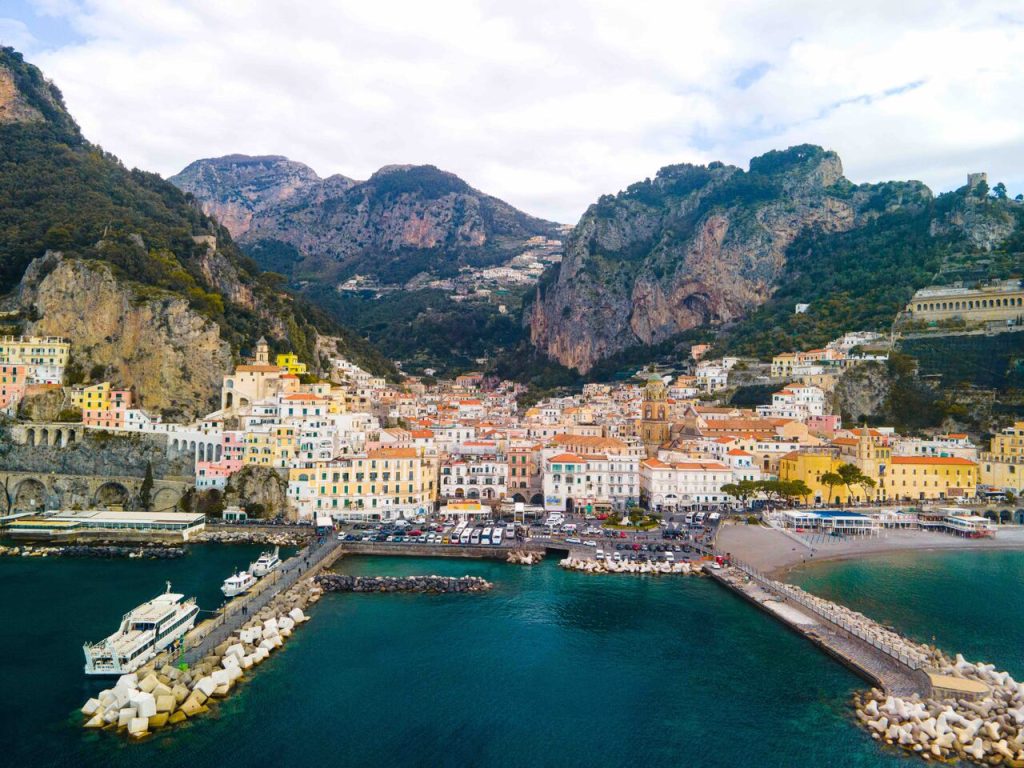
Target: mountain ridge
x: 401, y: 221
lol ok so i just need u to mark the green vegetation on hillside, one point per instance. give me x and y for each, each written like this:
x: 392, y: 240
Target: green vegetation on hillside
x: 854, y: 280
x: 58, y: 192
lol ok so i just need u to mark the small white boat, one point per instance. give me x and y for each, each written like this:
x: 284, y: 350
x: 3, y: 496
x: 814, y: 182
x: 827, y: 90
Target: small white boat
x: 266, y: 563
x: 144, y: 632
x: 238, y: 584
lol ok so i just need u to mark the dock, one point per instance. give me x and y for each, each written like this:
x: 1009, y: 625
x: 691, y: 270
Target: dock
x: 305, y: 563
x: 884, y: 659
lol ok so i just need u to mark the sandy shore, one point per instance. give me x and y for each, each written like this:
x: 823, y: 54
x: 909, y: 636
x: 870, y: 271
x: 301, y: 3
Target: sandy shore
x: 775, y: 552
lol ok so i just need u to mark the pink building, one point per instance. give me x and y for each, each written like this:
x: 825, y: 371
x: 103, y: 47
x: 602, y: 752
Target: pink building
x: 13, y: 382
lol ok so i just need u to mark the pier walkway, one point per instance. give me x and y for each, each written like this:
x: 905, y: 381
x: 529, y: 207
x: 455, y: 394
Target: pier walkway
x: 306, y: 562
x: 900, y: 671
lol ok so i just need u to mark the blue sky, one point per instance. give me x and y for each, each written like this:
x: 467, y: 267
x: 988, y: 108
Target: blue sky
x: 547, y: 105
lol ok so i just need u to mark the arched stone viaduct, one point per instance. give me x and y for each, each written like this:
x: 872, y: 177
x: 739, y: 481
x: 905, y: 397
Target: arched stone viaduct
x: 36, y: 491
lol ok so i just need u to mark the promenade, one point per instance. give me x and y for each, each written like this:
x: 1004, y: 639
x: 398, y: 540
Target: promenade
x: 306, y: 562
x: 881, y: 656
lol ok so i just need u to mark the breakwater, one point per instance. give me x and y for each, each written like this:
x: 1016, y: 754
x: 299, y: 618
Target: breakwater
x: 160, y: 694
x: 926, y: 703
x: 335, y: 582
x: 100, y: 551
x: 626, y: 566
x: 253, y: 536
x: 975, y: 714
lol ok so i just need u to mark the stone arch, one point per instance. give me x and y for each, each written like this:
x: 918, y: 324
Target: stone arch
x: 44, y: 436
x: 174, y: 445
x: 217, y: 452
x: 29, y: 495
x: 72, y: 436
x: 165, y: 498
x: 111, y: 493
x: 30, y: 436
x: 519, y: 498
x: 537, y: 499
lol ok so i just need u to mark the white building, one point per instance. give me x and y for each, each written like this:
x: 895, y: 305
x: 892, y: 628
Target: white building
x: 683, y: 484
x: 575, y: 482
x: 797, y: 402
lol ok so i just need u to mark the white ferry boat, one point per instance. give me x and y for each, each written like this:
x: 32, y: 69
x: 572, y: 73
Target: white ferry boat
x: 144, y: 632
x: 267, y: 562
x: 237, y: 584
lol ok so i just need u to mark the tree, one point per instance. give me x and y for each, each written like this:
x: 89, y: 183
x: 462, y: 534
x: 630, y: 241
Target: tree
x: 981, y: 191
x: 742, y: 490
x: 852, y: 475
x: 794, y: 489
x: 831, y: 480
x: 999, y: 191
x: 146, y: 491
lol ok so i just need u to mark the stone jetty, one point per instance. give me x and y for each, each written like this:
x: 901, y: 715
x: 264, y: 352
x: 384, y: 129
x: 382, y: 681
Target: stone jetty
x: 524, y: 557
x: 975, y: 714
x: 101, y: 551
x: 625, y: 566
x: 160, y: 694
x: 336, y: 582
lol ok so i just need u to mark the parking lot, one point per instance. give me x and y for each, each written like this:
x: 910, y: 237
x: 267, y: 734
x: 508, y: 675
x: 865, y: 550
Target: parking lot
x: 676, y: 539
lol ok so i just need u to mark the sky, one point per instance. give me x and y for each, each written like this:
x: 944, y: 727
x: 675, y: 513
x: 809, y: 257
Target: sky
x: 547, y: 104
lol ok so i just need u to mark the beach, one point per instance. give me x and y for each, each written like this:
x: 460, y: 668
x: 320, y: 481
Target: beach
x: 776, y: 552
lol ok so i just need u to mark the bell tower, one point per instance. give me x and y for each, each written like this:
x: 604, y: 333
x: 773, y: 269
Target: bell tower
x: 262, y: 356
x: 654, y: 425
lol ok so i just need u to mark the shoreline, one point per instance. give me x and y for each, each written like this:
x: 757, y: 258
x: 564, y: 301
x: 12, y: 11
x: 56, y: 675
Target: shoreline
x: 778, y: 555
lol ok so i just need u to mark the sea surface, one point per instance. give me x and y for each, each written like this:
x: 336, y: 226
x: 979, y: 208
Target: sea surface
x: 551, y: 668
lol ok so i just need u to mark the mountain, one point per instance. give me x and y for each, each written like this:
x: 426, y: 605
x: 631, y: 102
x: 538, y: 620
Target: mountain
x: 716, y: 247
x: 404, y: 221
x: 153, y: 292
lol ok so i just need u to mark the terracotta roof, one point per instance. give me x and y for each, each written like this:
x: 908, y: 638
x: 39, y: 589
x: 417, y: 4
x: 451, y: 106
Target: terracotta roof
x: 393, y: 453
x: 566, y: 458
x: 738, y: 452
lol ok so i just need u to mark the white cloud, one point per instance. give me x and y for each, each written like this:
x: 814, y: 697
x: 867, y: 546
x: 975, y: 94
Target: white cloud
x: 548, y: 105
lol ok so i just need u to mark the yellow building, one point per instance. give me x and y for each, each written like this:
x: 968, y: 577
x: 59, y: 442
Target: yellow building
x: 92, y: 398
x: 291, y: 363
x: 809, y: 466
x: 921, y: 478
x: 1001, y: 302
x: 384, y: 484
x: 51, y: 351
x: 1002, y: 468
x: 782, y: 365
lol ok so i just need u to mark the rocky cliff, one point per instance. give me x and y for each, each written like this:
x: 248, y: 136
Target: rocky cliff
x: 171, y: 354
x: 402, y: 221
x: 164, y: 299
x: 697, y: 245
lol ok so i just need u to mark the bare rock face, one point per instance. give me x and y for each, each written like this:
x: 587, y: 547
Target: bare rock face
x: 262, y: 488
x: 236, y: 188
x: 14, y: 108
x: 698, y: 245
x: 172, y: 355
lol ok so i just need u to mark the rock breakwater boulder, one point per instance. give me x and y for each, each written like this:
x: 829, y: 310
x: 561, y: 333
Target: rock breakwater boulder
x: 335, y: 582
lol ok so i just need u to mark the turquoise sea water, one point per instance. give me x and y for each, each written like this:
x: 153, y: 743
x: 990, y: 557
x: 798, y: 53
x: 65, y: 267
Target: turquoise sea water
x: 550, y: 668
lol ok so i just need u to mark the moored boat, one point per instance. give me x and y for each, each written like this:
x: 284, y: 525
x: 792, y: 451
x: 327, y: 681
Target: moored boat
x: 144, y: 632
x: 267, y: 562
x: 237, y: 584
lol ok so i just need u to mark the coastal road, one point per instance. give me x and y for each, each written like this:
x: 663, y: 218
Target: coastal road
x: 302, y: 564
